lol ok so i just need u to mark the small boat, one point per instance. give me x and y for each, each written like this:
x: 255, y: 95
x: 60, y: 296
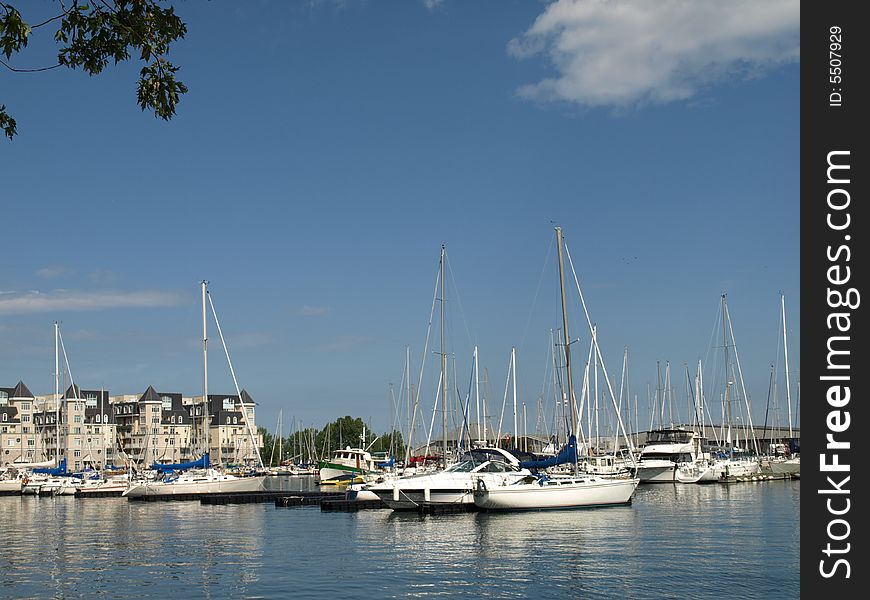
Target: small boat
x: 113, y: 485
x: 347, y: 464
x: 11, y: 481
x: 665, y: 450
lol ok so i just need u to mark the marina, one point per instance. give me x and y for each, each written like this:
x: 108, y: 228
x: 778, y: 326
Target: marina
x: 423, y: 299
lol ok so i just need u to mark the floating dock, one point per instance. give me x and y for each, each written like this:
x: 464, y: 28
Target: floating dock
x: 759, y: 477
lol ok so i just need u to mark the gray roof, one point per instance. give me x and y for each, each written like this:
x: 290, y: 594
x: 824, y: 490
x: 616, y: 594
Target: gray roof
x: 21, y: 391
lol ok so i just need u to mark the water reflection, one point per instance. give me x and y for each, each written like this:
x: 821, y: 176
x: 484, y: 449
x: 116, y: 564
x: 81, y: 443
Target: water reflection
x: 673, y: 542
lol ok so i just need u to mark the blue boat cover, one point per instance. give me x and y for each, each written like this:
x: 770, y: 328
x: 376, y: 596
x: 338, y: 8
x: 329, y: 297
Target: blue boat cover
x: 202, y: 463
x: 568, y: 454
x: 387, y: 463
x: 54, y: 472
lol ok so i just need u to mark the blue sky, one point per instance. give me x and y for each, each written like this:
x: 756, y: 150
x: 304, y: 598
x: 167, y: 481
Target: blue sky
x: 326, y: 150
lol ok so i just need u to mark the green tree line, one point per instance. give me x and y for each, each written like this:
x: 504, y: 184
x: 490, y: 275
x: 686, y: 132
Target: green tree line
x: 311, y: 444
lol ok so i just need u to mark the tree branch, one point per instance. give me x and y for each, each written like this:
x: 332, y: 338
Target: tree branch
x: 14, y: 70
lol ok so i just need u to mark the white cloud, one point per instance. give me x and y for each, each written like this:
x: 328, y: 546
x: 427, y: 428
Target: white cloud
x: 75, y: 300
x: 432, y: 4
x: 314, y: 311
x: 623, y: 53
x: 53, y: 271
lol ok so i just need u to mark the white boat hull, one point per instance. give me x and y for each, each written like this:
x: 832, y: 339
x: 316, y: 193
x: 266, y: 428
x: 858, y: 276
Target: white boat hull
x: 580, y: 492
x: 209, y: 486
x: 10, y: 486
x: 658, y: 471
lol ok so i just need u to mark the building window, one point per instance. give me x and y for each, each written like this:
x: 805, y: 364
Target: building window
x: 77, y: 453
x: 30, y: 442
x: 180, y: 418
x: 25, y: 406
x: 77, y: 419
x: 105, y: 418
x: 25, y: 430
x: 5, y: 416
x: 97, y: 418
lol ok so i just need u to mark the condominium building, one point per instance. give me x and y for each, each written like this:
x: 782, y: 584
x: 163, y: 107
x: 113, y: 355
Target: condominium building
x: 97, y: 430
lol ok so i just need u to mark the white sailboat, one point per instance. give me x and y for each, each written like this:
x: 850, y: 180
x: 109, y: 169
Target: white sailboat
x: 784, y: 463
x: 540, y: 491
x: 204, y: 480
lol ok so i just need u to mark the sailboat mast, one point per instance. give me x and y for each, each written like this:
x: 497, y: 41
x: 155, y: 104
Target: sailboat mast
x: 477, y: 391
x: 514, y: 383
x: 443, y: 367
x: 565, y: 335
x: 205, y: 422
x: 787, y: 384
x: 56, y: 395
x: 727, y: 383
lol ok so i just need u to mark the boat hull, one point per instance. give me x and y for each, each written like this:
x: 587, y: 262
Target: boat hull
x: 224, y: 486
x: 786, y: 467
x: 10, y: 487
x: 555, y: 494
x: 659, y: 471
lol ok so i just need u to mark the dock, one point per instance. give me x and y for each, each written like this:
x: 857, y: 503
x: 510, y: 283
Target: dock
x: 759, y: 477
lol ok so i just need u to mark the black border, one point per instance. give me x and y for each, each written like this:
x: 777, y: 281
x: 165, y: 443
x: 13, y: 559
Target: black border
x: 826, y: 128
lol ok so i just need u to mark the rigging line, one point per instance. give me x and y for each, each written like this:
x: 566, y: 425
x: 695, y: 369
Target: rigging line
x: 458, y: 298
x: 594, y: 332
x: 235, y: 382
x: 537, y: 292
x: 68, y: 370
x: 412, y: 426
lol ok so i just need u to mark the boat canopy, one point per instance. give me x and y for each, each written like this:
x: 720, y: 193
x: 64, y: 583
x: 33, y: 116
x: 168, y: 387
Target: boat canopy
x: 58, y: 470
x: 568, y: 454
x: 202, y: 463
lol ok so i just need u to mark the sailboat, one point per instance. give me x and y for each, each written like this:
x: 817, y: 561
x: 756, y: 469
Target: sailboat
x: 197, y: 477
x: 541, y: 491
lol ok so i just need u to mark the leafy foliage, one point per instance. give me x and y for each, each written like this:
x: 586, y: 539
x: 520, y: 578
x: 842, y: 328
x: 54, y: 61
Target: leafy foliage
x: 311, y: 444
x: 93, y: 35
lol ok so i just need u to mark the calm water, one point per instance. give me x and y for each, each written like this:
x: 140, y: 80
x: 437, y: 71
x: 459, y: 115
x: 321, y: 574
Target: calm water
x: 712, y: 541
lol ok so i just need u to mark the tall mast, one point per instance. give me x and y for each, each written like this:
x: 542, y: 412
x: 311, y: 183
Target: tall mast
x: 56, y: 395
x: 727, y: 383
x: 514, y: 377
x: 565, y: 336
x: 205, y: 419
x: 787, y: 384
x: 443, y: 366
x: 477, y: 392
